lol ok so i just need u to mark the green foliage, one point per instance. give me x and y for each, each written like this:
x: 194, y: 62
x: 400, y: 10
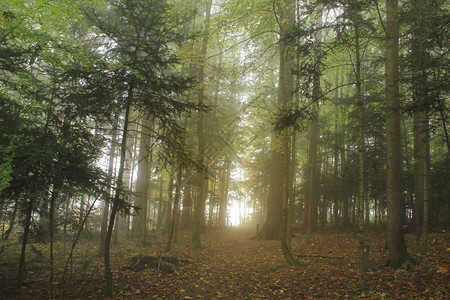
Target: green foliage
x: 6, y: 159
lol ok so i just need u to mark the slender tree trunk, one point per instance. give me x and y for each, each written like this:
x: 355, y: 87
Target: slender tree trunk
x: 421, y: 128
x: 127, y: 178
x: 169, y: 202
x: 11, y: 222
x: 424, y: 245
x: 363, y: 248
x: 286, y: 91
x: 106, y: 203
x: 398, y: 254
x: 82, y: 204
x: 142, y: 182
x: 199, y: 204
x: 2, y: 223
x: 224, y: 184
x: 160, y: 206
x: 176, y: 209
x: 53, y: 199
x: 116, y: 201
x: 272, y: 228
x: 314, y: 133
x: 212, y: 199
x: 443, y: 111
x: 336, y: 186
x: 65, y: 219
x: 420, y: 157
x: 186, y: 216
x: 26, y: 231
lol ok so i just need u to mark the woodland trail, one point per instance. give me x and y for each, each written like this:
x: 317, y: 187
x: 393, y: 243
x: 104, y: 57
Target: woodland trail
x: 232, y: 266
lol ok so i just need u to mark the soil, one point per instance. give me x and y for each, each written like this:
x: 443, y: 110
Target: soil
x: 232, y: 266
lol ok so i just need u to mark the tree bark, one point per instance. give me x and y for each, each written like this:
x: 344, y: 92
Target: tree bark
x: 176, y: 209
x: 224, y: 185
x: 362, y: 247
x: 12, y: 222
x: 421, y: 128
x: 169, y: 202
x: 142, y: 182
x: 199, y: 204
x: 106, y: 203
x: 186, y: 215
x: 26, y: 231
x: 117, y: 196
x: 398, y: 254
x: 314, y: 133
x: 160, y: 206
x: 53, y: 199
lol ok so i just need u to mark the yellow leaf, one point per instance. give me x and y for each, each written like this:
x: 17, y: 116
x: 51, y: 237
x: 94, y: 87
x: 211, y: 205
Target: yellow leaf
x: 442, y: 270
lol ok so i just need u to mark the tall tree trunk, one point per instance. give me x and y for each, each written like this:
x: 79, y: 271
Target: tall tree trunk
x: 160, y: 204
x: 343, y: 190
x: 313, y: 168
x: 169, y: 202
x: 66, y: 219
x: 106, y: 203
x: 398, y: 254
x: 279, y: 171
x: 127, y: 178
x: 336, y: 186
x: 12, y: 221
x: 142, y: 182
x: 421, y: 128
x: 285, y: 94
x: 82, y: 205
x: 176, y: 209
x: 186, y: 216
x: 26, y: 231
x: 363, y: 248
x: 119, y: 190
x: 212, y: 198
x: 224, y: 185
x: 199, y: 204
x: 53, y: 199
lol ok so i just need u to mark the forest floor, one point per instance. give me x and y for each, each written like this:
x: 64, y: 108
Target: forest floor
x: 232, y: 266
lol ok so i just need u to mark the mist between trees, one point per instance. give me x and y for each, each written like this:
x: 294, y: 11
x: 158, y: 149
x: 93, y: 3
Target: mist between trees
x: 140, y: 121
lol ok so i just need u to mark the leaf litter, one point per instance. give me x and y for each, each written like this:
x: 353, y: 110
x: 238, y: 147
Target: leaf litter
x: 232, y: 266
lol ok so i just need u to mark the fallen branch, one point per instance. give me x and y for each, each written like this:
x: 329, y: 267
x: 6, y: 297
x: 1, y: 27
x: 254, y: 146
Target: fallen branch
x: 320, y: 256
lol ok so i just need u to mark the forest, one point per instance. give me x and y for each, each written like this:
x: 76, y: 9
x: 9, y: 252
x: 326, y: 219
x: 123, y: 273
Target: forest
x: 224, y: 149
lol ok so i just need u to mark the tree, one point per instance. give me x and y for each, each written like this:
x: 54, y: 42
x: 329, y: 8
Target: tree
x: 398, y: 254
x: 313, y: 166
x: 106, y: 204
x: 56, y: 153
x: 363, y: 248
x: 140, y: 55
x: 421, y: 129
x: 224, y: 183
x: 176, y: 209
x: 199, y: 204
x: 142, y: 181
x: 279, y: 177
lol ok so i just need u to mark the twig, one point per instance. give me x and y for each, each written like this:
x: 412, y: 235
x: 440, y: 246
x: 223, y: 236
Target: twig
x: 321, y: 256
